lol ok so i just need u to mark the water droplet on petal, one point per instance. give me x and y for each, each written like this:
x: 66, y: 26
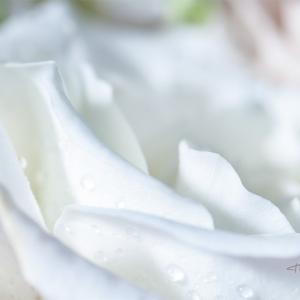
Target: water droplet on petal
x: 119, y: 251
x: 133, y: 233
x: 245, y: 291
x: 67, y: 229
x: 23, y: 163
x: 211, y: 277
x: 40, y: 178
x: 120, y: 204
x: 219, y: 297
x: 96, y: 228
x: 193, y: 295
x: 87, y: 183
x: 175, y: 273
x: 100, y: 257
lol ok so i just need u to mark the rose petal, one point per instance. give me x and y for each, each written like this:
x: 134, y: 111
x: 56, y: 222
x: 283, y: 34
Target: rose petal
x: 180, y: 261
x: 76, y: 166
x: 12, y: 284
x: 54, y: 270
x: 95, y: 103
x: 292, y: 212
x: 34, y: 138
x: 211, y: 180
x: 12, y: 177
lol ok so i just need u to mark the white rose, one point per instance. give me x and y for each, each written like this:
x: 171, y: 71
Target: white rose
x: 81, y: 216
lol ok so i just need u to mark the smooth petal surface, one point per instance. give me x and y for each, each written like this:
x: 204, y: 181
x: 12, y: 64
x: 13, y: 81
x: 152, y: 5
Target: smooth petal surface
x: 54, y: 270
x: 183, y: 262
x: 12, y: 283
x: 292, y: 212
x: 211, y: 180
x: 12, y: 177
x: 76, y: 166
x: 94, y: 101
x: 25, y: 115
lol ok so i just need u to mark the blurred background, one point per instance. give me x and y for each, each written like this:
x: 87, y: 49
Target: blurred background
x: 265, y: 31
x: 153, y: 12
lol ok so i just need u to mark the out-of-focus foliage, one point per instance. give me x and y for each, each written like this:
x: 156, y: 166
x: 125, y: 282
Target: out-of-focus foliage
x: 130, y: 11
x: 8, y: 7
x: 192, y: 11
x: 4, y: 9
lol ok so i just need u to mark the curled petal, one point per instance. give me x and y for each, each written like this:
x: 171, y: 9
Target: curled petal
x: 181, y: 261
x: 76, y: 166
x: 211, y: 180
x: 292, y: 212
x: 12, y: 177
x: 53, y: 269
x: 94, y: 101
x: 12, y: 285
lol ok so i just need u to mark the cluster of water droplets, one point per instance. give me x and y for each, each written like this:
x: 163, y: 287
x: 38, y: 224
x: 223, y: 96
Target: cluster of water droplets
x: 245, y: 291
x: 194, y: 295
x: 23, y: 163
x: 175, y: 273
x: 87, y: 183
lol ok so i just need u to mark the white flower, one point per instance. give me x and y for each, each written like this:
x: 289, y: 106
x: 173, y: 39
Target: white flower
x: 82, y: 218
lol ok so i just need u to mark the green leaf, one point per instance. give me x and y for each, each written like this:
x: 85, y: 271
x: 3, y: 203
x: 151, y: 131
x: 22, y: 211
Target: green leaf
x: 192, y: 11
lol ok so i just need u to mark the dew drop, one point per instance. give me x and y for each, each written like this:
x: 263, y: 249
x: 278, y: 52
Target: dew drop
x: 211, y: 277
x: 40, y: 178
x: 100, y: 257
x: 95, y: 228
x: 175, y: 273
x: 120, y: 204
x: 133, y: 233
x: 193, y: 295
x: 87, y: 183
x: 245, y: 291
x: 219, y: 297
x: 119, y: 251
x: 67, y: 229
x: 23, y: 163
